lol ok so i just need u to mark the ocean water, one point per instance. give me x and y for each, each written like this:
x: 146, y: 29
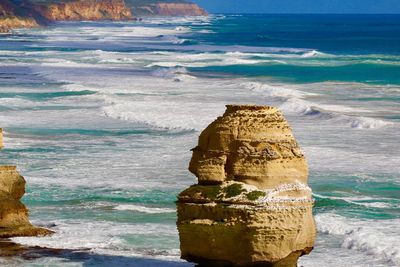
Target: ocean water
x: 100, y: 119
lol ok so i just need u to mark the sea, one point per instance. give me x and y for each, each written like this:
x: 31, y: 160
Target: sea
x: 100, y: 118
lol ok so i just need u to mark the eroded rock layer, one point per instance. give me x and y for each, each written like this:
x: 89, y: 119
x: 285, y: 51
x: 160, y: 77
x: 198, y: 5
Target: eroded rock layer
x: 17, y: 14
x: 179, y: 9
x: 252, y: 205
x: 165, y: 8
x: 85, y: 10
x: 14, y: 219
x: 36, y: 13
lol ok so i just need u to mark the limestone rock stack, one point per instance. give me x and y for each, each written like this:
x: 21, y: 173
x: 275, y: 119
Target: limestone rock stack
x: 13, y: 214
x: 252, y: 205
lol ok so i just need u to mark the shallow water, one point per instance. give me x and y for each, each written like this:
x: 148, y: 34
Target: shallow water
x: 100, y: 118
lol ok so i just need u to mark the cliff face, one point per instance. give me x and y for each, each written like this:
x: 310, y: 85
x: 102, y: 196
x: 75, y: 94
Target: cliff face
x: 29, y: 14
x: 13, y: 214
x: 165, y: 8
x: 178, y: 9
x: 13, y: 15
x: 8, y: 23
x: 252, y: 204
x: 34, y: 13
x: 85, y: 10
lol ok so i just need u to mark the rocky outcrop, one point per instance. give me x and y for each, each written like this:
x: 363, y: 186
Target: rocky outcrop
x: 85, y: 10
x: 178, y: 9
x: 165, y: 8
x: 14, y: 219
x: 17, y: 15
x: 8, y: 23
x: 31, y: 14
x: 252, y: 205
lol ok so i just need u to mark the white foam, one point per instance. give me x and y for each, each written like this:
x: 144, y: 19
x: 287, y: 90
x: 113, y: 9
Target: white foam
x: 332, y: 114
x: 129, y: 207
x: 108, y: 238
x: 131, y: 31
x: 312, y: 53
x: 373, y: 237
x: 363, y: 122
x: 174, y: 73
x: 275, y: 90
x: 357, y: 161
x: 16, y: 103
x: 215, y: 58
x: 172, y: 115
x: 211, y: 60
x: 185, y: 20
x: 173, y: 39
x: 362, y: 201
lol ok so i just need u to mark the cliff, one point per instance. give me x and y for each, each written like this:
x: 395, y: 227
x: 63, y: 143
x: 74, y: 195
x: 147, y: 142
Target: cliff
x: 35, y: 13
x: 17, y: 15
x: 165, y: 8
x: 84, y: 10
x: 252, y: 205
x: 8, y: 23
x: 14, y: 219
x: 178, y: 9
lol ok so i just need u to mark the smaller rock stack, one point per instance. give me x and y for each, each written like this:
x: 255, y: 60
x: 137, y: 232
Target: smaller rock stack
x: 14, y: 219
x: 252, y: 205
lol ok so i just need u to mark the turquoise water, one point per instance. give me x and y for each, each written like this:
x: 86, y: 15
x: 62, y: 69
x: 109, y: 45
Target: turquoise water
x: 100, y: 119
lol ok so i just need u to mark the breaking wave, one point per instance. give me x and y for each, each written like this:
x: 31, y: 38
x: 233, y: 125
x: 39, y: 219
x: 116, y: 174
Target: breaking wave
x: 143, y: 209
x: 378, y: 238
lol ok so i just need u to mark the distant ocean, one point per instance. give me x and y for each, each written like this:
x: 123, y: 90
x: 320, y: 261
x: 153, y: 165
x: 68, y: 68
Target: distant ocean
x: 100, y: 118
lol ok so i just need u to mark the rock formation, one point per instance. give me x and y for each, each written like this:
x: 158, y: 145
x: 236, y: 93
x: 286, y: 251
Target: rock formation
x: 13, y: 214
x: 165, y: 8
x: 17, y: 15
x: 8, y: 23
x: 85, y: 10
x: 252, y: 205
x: 35, y: 13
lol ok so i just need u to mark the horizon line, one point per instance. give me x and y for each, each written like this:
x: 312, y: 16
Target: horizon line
x: 281, y: 13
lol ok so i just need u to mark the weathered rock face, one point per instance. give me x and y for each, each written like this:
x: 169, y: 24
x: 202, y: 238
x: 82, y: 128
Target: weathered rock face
x: 8, y: 23
x: 13, y: 214
x: 249, y: 144
x: 178, y: 9
x: 160, y: 8
x: 252, y: 205
x: 86, y: 10
x: 13, y: 15
x: 31, y: 14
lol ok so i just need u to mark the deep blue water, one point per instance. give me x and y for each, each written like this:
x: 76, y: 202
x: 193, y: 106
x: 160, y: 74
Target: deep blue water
x: 337, y: 34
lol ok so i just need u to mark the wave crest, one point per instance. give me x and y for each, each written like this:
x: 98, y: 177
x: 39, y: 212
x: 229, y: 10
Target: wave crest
x: 377, y: 238
x: 302, y: 107
x: 143, y: 209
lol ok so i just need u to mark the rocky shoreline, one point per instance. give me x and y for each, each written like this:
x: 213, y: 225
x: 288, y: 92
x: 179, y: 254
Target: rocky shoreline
x: 34, y: 13
x: 27, y: 14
